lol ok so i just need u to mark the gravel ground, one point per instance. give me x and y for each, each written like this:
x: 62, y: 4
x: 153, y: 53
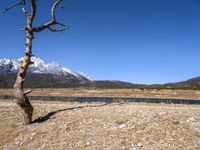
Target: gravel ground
x: 89, y: 126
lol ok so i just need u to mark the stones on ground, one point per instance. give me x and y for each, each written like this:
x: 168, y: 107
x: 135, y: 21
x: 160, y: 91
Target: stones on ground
x: 191, y: 119
x: 122, y: 126
x: 17, y: 143
x: 148, y: 129
x: 139, y: 144
x: 33, y: 134
x: 91, y: 143
x: 175, y: 122
x: 134, y: 148
x: 162, y: 113
x: 64, y: 126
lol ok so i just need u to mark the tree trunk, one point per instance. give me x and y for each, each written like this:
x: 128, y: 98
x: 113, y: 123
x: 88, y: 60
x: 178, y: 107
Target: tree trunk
x: 19, y: 93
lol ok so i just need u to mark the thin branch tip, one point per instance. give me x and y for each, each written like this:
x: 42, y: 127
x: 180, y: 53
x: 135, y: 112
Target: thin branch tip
x: 22, y: 2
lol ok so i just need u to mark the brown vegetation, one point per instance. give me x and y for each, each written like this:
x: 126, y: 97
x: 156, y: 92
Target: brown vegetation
x: 141, y: 93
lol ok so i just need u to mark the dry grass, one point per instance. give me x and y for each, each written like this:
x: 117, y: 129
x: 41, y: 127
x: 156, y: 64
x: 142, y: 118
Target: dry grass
x: 101, y: 126
x: 151, y: 93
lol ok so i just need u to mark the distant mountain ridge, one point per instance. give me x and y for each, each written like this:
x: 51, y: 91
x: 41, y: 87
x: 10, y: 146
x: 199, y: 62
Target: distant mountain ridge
x: 35, y: 80
x: 193, y: 83
x: 52, y: 75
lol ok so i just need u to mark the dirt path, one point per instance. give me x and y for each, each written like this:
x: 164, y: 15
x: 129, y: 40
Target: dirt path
x: 92, y: 126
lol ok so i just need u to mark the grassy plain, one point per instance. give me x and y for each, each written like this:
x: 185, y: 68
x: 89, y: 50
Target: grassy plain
x: 139, y: 93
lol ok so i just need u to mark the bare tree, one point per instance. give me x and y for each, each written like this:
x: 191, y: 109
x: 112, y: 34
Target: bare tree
x: 20, y: 95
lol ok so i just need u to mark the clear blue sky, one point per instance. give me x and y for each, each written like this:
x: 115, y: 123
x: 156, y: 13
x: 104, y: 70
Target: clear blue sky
x: 141, y: 41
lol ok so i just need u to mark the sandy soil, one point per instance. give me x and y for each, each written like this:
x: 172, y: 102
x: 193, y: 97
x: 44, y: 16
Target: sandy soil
x: 150, y: 93
x: 89, y: 126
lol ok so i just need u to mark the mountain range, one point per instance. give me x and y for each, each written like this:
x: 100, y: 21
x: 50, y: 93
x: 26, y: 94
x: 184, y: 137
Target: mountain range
x: 40, y: 67
x: 52, y: 75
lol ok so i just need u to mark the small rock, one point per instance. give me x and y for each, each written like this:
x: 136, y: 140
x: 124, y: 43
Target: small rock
x: 17, y: 143
x: 192, y: 119
x: 33, y: 133
x: 132, y: 127
x: 89, y: 143
x: 134, y: 148
x: 162, y: 113
x: 122, y: 126
x: 139, y: 144
x: 176, y: 122
x: 64, y: 126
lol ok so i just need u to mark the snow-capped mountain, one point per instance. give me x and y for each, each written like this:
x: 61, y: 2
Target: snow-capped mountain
x: 40, y: 67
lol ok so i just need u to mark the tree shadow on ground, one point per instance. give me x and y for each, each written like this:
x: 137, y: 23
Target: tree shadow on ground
x: 47, y: 117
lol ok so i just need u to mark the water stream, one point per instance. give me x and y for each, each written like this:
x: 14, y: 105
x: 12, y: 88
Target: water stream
x: 108, y: 99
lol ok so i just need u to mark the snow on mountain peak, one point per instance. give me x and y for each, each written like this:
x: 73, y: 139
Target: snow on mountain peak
x: 85, y: 75
x: 39, y: 66
x: 37, y: 62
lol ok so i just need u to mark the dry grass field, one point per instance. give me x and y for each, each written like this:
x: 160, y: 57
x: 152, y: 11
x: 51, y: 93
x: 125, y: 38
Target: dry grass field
x: 146, y: 93
x: 89, y: 126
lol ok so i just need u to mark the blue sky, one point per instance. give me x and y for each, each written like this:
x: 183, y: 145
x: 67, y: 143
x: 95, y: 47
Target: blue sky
x: 141, y: 41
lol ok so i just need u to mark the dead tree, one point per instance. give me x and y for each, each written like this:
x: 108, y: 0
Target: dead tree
x: 20, y: 95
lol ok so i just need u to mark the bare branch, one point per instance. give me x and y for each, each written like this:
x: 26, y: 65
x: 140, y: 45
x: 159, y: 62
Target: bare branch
x: 53, y: 9
x: 33, y: 9
x: 22, y: 2
x: 57, y: 30
x: 53, y: 21
x: 25, y: 12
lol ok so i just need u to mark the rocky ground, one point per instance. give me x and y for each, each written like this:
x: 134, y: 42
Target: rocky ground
x: 131, y: 126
